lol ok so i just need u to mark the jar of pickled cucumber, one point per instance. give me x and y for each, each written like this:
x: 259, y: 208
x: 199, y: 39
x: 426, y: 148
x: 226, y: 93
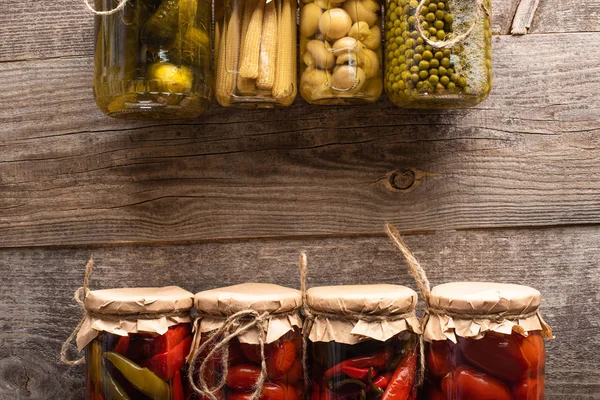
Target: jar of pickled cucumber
x: 362, y: 342
x: 255, y: 53
x: 136, y: 342
x: 153, y: 59
x: 248, y: 337
x: 340, y: 51
x: 484, y: 341
x: 438, y: 53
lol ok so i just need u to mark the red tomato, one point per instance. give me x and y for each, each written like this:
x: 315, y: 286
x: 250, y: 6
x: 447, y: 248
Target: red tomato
x: 440, y: 357
x: 468, y: 384
x: 533, y: 350
x: 122, y: 345
x: 165, y: 365
x: 243, y: 377
x: 498, y: 355
x: 275, y: 391
x: 281, y: 358
x: 530, y: 389
x: 251, y: 352
x: 294, y: 375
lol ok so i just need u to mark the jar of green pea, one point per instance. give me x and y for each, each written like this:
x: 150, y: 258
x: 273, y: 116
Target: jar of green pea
x: 438, y: 53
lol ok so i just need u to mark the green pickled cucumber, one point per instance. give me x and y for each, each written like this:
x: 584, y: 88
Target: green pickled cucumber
x: 171, y: 18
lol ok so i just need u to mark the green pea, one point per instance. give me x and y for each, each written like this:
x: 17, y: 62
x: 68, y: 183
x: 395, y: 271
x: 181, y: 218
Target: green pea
x: 441, y: 6
x: 462, y: 82
x: 395, y: 87
x: 414, y: 69
x: 410, y: 43
x: 423, y: 74
x: 397, y: 23
x: 404, y: 25
x: 430, y: 17
x: 418, y: 57
x: 414, y: 78
x: 440, y: 35
x: 393, y: 17
x: 412, y: 20
x: 396, y: 70
x: 398, y: 11
x: 438, y: 55
x: 442, y: 70
x: 439, y: 14
x: 454, y: 78
x: 399, y: 40
x: 427, y: 34
x: 425, y: 25
x: 434, y: 63
x: 405, y: 75
x: 444, y: 80
x: 427, y: 86
x: 433, y: 71
x: 432, y: 31
x: 403, y: 67
x: 410, y: 85
x: 432, y: 7
x: 413, y: 3
x: 401, y: 85
x: 428, y: 47
x: 451, y: 86
x: 427, y: 55
x: 392, y: 7
x: 448, y: 18
x: 420, y: 40
x: 398, y: 32
x: 434, y: 79
x: 450, y: 71
x: 410, y: 62
x: 391, y: 78
x: 401, y: 59
x: 420, y: 49
x: 447, y: 52
x: 439, y: 86
x: 397, y: 53
x: 395, y: 62
x: 445, y: 62
x: 414, y: 34
x: 423, y: 65
x: 438, y: 25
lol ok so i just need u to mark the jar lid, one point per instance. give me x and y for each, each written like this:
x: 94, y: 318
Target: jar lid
x: 124, y: 301
x: 364, y: 299
x: 482, y: 298
x: 261, y: 297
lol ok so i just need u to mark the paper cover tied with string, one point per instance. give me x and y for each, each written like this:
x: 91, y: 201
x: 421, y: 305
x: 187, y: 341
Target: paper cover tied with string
x: 247, y: 339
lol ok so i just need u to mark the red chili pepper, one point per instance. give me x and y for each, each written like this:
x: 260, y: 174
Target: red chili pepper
x: 377, y: 360
x: 402, y: 380
x: 468, y: 383
x: 165, y: 365
x: 122, y: 345
x: 243, y: 376
x: 146, y: 346
x: 358, y: 373
x: 530, y: 389
x: 177, y: 387
x: 383, y: 380
x: 281, y: 358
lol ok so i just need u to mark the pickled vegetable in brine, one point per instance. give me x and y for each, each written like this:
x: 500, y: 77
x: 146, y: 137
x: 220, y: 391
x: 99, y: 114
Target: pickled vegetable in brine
x: 445, y: 64
x: 153, y: 59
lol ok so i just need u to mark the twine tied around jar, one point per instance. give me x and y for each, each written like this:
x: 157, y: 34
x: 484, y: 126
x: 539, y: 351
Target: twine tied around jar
x: 118, y: 8
x: 448, y: 44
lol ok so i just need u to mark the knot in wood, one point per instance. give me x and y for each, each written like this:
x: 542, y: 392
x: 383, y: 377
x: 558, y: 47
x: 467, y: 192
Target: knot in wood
x: 402, y: 180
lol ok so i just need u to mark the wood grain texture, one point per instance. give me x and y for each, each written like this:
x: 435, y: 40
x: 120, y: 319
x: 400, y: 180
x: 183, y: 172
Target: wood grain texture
x: 580, y: 16
x: 527, y: 156
x: 37, y: 311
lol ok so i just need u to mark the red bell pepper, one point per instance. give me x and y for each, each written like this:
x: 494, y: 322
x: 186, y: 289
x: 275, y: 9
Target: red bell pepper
x: 242, y: 377
x: 165, y: 364
x: 469, y: 384
x: 122, y: 345
x: 146, y: 346
x: 401, y: 383
x: 281, y: 358
x: 358, y: 373
x: 377, y: 360
x: 177, y: 387
x: 530, y: 389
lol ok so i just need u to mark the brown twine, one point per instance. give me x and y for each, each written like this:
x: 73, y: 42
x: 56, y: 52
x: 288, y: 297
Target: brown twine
x: 118, y: 8
x: 233, y: 326
x: 447, y: 44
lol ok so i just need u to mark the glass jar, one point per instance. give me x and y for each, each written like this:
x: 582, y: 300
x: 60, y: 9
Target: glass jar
x: 257, y: 67
x: 136, y: 343
x: 280, y: 323
x: 340, y: 51
x: 153, y: 59
x: 485, y: 359
x: 438, y: 52
x: 359, y: 355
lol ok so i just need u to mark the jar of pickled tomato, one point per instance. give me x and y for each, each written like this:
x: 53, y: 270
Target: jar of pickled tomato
x: 136, y: 341
x: 362, y: 342
x: 484, y: 341
x: 248, y: 342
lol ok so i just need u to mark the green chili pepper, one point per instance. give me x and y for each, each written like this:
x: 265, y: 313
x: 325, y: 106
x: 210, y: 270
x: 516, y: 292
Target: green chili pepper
x: 377, y: 390
x: 142, y: 379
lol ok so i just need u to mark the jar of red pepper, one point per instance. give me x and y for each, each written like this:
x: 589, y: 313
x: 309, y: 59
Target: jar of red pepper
x: 485, y: 341
x: 362, y: 342
x: 136, y: 342
x: 248, y: 343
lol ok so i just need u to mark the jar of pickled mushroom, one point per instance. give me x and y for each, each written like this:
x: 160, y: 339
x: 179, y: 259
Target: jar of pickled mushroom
x: 136, y: 341
x: 255, y: 53
x: 248, y: 343
x: 484, y: 341
x: 362, y: 342
x: 340, y: 50
x: 438, y: 53
x: 153, y: 58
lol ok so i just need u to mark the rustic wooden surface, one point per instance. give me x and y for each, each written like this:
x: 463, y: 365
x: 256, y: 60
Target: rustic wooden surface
x: 507, y: 191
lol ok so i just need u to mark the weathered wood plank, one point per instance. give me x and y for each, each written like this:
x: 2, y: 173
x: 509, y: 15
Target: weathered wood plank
x: 34, y: 29
x: 37, y: 311
x: 527, y: 156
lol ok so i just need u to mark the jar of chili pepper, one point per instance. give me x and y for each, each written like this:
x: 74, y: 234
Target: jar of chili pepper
x: 136, y: 341
x: 248, y: 343
x: 484, y: 341
x: 362, y: 342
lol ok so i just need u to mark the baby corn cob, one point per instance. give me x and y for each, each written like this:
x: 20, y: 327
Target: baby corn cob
x: 284, y: 89
x: 228, y: 59
x: 217, y: 39
x: 251, y: 43
x: 268, y: 48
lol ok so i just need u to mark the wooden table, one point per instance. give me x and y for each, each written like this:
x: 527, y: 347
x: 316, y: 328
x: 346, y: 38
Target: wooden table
x: 508, y: 191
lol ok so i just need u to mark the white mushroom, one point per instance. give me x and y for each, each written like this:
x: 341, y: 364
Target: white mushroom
x: 347, y: 78
x: 314, y: 85
x: 320, y: 53
x: 335, y: 23
x: 310, y: 14
x: 370, y: 37
x: 361, y: 11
